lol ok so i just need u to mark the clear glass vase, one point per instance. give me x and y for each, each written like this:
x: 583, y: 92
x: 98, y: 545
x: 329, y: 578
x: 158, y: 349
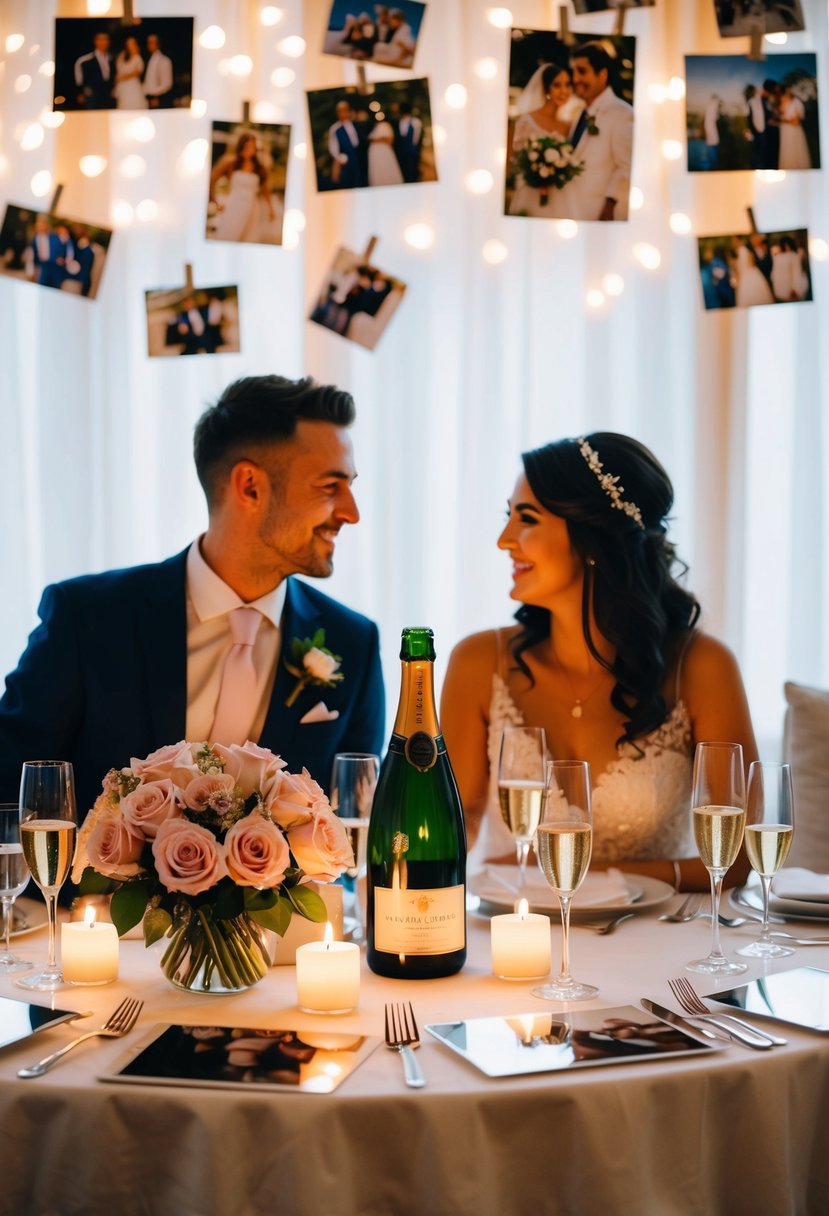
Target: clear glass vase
x: 207, y: 954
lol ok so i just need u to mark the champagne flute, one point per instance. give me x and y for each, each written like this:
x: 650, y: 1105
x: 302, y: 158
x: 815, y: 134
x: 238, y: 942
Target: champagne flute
x: 522, y: 789
x: 718, y: 806
x: 564, y: 842
x: 353, y: 781
x: 48, y: 831
x: 769, y: 831
x: 14, y: 874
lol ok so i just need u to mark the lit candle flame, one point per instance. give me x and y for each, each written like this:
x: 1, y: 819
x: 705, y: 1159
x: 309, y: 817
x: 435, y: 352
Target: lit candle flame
x: 523, y: 909
x: 328, y: 936
x: 89, y: 916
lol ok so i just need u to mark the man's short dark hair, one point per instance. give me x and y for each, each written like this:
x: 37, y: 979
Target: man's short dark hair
x: 259, y: 410
x: 596, y: 55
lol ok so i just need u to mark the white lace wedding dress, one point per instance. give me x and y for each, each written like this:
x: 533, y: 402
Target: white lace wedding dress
x: 561, y: 203
x: 241, y: 216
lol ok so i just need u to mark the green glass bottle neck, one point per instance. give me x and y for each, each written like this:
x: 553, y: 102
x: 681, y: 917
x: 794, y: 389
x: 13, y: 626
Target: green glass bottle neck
x: 417, y: 644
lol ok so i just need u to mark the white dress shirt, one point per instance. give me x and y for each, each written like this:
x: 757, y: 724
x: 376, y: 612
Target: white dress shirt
x: 196, y: 323
x: 158, y: 77
x: 333, y: 145
x: 209, y: 600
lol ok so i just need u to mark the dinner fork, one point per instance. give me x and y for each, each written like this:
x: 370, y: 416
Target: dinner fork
x: 603, y: 927
x: 687, y: 910
x: 400, y: 1037
x: 119, y: 1023
x: 692, y: 1003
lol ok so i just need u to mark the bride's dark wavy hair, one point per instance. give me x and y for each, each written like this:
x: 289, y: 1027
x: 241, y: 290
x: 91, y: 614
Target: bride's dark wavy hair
x: 629, y: 583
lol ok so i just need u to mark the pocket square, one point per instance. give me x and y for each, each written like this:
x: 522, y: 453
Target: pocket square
x: 320, y: 713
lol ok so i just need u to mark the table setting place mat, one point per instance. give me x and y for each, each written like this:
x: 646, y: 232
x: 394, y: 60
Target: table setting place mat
x: 290, y: 1061
x: 796, y: 894
x: 606, y: 891
x: 560, y: 1042
x: 799, y: 996
x: 20, y: 1019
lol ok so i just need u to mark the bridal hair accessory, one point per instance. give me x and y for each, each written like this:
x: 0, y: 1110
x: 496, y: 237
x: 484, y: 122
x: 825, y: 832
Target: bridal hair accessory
x: 609, y: 483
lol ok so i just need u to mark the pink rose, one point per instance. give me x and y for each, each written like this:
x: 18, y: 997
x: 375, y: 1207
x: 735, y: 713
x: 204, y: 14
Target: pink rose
x: 149, y: 806
x: 214, y: 788
x: 174, y: 763
x: 112, y: 849
x: 188, y: 858
x: 294, y: 797
x: 252, y: 767
x: 256, y: 852
x: 321, y: 846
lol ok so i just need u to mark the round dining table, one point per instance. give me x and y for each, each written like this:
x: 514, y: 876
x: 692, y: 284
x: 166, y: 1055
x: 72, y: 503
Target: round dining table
x: 730, y: 1131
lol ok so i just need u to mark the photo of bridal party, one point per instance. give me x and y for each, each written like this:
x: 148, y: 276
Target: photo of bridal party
x: 193, y: 321
x: 246, y: 196
x: 755, y: 268
x: 570, y: 126
x: 109, y: 64
x: 53, y: 251
x: 742, y: 18
x: 357, y: 300
x: 743, y: 113
x: 381, y: 33
x: 380, y: 136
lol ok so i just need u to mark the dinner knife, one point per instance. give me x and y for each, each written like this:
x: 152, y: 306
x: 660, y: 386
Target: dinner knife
x: 698, y: 1033
x: 739, y: 1036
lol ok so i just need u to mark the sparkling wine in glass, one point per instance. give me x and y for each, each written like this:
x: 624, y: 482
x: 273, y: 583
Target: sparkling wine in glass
x: 768, y: 838
x: 48, y: 831
x: 564, y: 842
x: 718, y: 806
x: 522, y: 789
x: 353, y: 781
x: 14, y: 875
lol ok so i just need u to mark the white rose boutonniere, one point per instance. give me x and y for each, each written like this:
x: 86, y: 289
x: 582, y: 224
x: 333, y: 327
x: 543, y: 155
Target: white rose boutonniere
x: 312, y: 663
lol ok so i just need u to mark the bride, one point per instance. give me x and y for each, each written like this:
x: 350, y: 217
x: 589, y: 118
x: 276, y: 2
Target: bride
x: 794, y: 150
x: 383, y: 165
x: 547, y: 106
x: 245, y: 212
x: 129, y: 69
x: 752, y: 285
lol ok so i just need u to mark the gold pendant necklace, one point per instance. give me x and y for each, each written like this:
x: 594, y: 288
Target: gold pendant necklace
x: 577, y: 710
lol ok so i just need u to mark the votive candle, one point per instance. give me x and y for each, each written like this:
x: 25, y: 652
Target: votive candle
x: 520, y: 943
x: 89, y: 951
x: 328, y: 975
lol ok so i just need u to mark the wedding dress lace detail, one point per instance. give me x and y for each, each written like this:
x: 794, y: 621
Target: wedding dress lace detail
x: 641, y: 802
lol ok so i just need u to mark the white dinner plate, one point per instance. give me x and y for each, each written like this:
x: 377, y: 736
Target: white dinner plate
x: 751, y: 896
x: 643, y: 892
x: 29, y: 915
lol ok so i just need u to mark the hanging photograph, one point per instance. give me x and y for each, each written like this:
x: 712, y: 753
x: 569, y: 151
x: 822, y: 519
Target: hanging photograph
x: 357, y: 300
x: 193, y: 321
x: 742, y: 18
x: 382, y: 33
x: 755, y: 268
x: 570, y: 126
x: 103, y: 63
x: 377, y: 136
x: 53, y: 251
x: 743, y: 113
x: 602, y: 6
x: 249, y: 164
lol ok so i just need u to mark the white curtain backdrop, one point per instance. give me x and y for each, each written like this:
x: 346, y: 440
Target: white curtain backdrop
x: 480, y: 362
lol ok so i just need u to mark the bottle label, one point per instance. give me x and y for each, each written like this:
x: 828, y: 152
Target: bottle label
x: 419, y: 749
x: 426, y: 921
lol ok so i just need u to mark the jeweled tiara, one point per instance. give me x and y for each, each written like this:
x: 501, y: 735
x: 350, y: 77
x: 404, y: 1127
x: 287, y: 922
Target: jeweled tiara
x: 609, y: 483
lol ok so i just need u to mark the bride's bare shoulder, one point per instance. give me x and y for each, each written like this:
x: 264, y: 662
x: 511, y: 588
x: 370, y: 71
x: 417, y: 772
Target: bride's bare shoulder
x: 477, y: 656
x: 708, y: 663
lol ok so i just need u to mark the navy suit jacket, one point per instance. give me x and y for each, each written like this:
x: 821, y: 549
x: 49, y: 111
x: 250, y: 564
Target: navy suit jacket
x: 104, y: 678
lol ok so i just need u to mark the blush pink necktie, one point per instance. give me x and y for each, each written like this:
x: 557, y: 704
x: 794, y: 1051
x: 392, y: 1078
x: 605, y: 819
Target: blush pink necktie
x: 236, y: 706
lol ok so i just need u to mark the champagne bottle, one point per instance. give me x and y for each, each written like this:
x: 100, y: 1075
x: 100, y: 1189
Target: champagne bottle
x: 416, y: 850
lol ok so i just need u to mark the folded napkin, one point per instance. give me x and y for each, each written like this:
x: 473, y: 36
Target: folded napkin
x: 796, y: 883
x: 500, y: 883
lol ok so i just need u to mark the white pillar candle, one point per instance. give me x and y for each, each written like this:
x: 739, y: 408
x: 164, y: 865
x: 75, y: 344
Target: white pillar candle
x: 89, y: 951
x: 328, y: 975
x: 520, y: 943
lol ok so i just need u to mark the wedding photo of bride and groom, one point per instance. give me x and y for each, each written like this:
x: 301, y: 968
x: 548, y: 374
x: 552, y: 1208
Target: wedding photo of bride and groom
x: 357, y: 299
x: 742, y: 18
x: 570, y: 126
x: 377, y: 136
x: 755, y: 268
x: 248, y: 171
x: 53, y: 251
x: 380, y: 33
x: 193, y: 321
x: 743, y: 113
x: 111, y: 64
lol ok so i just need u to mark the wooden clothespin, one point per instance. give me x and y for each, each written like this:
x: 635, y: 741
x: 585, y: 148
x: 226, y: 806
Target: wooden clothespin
x: 53, y: 206
x: 756, y: 50
x: 564, y: 26
x: 246, y: 112
x: 751, y: 221
x: 128, y: 17
x: 369, y: 250
x: 188, y: 276
x: 362, y: 83
x: 621, y: 13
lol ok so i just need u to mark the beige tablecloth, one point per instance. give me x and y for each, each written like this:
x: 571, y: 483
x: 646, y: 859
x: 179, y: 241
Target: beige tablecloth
x: 735, y: 1132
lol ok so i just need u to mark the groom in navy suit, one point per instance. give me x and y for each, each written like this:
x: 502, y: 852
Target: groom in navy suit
x: 130, y: 660
x: 347, y: 149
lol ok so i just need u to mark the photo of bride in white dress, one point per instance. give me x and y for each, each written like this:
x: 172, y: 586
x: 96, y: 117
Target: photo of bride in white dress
x: 383, y: 165
x: 247, y: 183
x: 547, y: 107
x: 794, y: 149
x: 749, y: 269
x: 129, y: 74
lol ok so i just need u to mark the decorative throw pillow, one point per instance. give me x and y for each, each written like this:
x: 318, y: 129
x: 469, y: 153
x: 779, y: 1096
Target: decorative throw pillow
x: 806, y: 748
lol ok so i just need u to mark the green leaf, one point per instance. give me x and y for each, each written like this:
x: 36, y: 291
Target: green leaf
x: 318, y: 639
x: 259, y: 901
x: 276, y: 918
x: 156, y: 923
x: 128, y: 906
x: 93, y: 883
x: 308, y: 903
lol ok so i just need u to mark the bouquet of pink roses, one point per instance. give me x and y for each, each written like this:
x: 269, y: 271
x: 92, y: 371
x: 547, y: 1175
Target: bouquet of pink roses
x: 204, y: 843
